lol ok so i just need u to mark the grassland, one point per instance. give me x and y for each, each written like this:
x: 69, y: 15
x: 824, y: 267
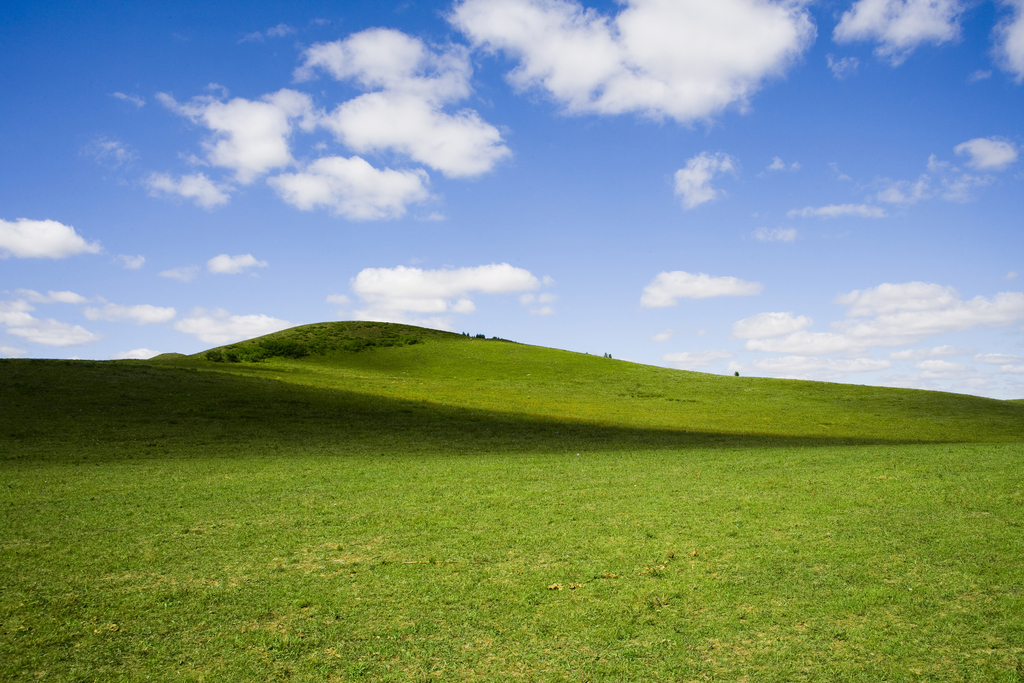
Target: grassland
x: 423, y: 506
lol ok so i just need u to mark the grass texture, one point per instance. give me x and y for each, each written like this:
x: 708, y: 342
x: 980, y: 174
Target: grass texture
x: 423, y: 506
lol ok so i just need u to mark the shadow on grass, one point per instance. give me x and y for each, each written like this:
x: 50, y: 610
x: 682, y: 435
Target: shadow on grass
x: 107, y: 410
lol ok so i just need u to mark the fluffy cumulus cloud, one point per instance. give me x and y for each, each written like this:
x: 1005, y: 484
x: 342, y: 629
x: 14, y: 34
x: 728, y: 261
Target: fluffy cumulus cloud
x: 183, y: 274
x: 943, y: 351
x: 905, y: 192
x: 808, y: 367
x: 837, y: 210
x: 17, y: 316
x: 898, y: 315
x: 197, y: 187
x: 775, y: 234
x: 26, y: 238
x: 944, y: 369
x: 997, y: 358
x: 409, y: 87
x: 233, y: 265
x: 249, y: 137
x: 51, y: 297
x: 691, y: 360
x: 11, y: 351
x: 131, y: 262
x: 684, y: 59
x: 135, y: 354
x: 667, y: 287
x: 353, y: 188
x: 1009, y: 48
x: 899, y: 26
x: 765, y: 325
x: 988, y: 154
x: 693, y: 182
x: 142, y: 314
x: 945, y: 180
x: 392, y: 294
x: 540, y: 303
x: 779, y: 165
x: 220, y: 327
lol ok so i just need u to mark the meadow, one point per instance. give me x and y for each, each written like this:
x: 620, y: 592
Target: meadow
x: 353, y: 501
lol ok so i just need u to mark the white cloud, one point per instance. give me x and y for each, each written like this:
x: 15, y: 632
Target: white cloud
x: 135, y: 354
x: 775, y: 234
x: 339, y: 299
x: 406, y: 114
x: 25, y: 238
x: 11, y: 351
x: 779, y: 165
x: 16, y: 316
x: 278, y: 31
x: 353, y: 188
x: 765, y: 325
x: 979, y: 75
x: 1012, y: 369
x: 1009, y: 35
x: 185, y: 273
x: 143, y: 314
x: 836, y: 210
x: 899, y: 26
x: 804, y: 367
x: 694, y: 181
x: 897, y: 315
x: 691, y: 360
x: 131, y: 262
x: 987, y: 154
x: 390, y: 294
x: 804, y: 343
x: 458, y: 145
x: 197, y: 187
x: 133, y: 99
x: 663, y: 336
x: 944, y: 351
x: 110, y: 153
x: 944, y: 369
x: 64, y: 297
x: 545, y: 298
x: 996, y: 358
x: 677, y: 284
x: 54, y: 333
x: 959, y: 188
x: 842, y: 68
x: 249, y: 136
x: 685, y: 59
x: 232, y: 265
x: 1012, y: 275
x: 220, y: 327
x: 905, y: 193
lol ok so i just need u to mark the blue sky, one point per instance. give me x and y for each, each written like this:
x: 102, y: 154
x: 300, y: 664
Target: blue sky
x: 827, y: 190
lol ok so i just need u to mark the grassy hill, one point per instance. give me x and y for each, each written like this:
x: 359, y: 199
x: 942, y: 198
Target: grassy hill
x: 434, y: 368
x: 362, y: 501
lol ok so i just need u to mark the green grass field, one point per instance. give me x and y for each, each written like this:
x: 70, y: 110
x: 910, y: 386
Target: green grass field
x: 384, y: 503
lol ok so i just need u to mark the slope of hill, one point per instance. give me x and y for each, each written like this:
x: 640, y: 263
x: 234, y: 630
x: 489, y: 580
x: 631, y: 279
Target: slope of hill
x: 444, y: 369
